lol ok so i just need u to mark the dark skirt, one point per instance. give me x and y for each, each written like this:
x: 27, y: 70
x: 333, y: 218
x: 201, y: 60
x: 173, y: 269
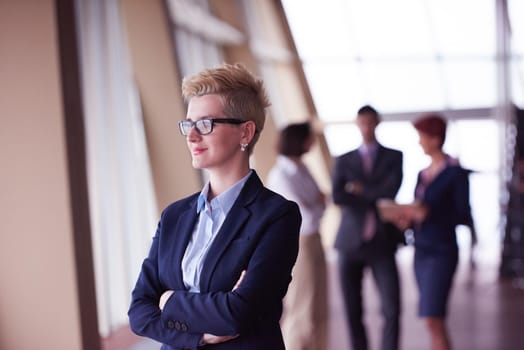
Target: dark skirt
x: 434, y: 274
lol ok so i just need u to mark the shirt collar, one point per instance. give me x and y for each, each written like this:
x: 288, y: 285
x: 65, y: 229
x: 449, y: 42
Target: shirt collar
x: 226, y: 199
x: 287, y: 164
x: 371, y: 148
x: 202, y: 198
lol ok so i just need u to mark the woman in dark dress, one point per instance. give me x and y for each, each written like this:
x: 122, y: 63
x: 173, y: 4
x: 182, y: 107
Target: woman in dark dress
x: 441, y: 203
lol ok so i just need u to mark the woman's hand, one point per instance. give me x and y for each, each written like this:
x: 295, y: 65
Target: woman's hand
x: 410, y: 214
x: 417, y: 212
x: 206, y: 338
x: 216, y: 339
x: 402, y: 222
x: 164, y: 298
x: 240, y: 279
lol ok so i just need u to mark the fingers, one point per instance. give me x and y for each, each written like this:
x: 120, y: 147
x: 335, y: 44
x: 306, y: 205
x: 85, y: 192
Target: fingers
x: 241, y: 278
x: 164, y: 298
x: 215, y: 339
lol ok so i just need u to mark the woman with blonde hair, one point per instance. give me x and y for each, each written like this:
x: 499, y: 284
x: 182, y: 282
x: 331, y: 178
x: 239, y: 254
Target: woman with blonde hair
x: 221, y: 259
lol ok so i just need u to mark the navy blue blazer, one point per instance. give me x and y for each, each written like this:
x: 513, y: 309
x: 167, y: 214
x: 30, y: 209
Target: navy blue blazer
x: 383, y: 182
x: 447, y: 198
x: 260, y: 235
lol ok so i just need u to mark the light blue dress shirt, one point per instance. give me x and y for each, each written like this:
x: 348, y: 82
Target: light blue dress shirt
x: 211, y: 216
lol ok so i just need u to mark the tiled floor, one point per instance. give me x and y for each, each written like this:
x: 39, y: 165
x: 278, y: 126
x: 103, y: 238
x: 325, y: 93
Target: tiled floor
x: 485, y: 313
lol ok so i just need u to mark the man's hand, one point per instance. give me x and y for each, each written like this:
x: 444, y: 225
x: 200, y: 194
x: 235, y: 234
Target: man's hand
x: 354, y: 187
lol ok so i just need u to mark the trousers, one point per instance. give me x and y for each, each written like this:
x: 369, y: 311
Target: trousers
x: 304, y: 321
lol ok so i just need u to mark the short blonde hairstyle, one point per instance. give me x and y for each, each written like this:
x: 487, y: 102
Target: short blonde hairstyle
x: 243, y: 95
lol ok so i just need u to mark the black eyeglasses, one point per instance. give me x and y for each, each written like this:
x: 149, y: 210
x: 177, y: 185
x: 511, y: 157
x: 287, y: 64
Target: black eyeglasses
x: 204, y: 126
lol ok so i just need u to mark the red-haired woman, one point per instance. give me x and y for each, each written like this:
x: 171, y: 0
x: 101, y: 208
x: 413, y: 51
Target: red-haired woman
x: 442, y: 203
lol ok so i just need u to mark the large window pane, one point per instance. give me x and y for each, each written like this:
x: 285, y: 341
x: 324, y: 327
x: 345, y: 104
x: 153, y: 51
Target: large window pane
x: 404, y: 86
x: 470, y: 83
x: 388, y: 28
x: 319, y: 27
x: 404, y: 55
x: 337, y: 89
x: 516, y: 17
x: 463, y: 28
x: 517, y: 80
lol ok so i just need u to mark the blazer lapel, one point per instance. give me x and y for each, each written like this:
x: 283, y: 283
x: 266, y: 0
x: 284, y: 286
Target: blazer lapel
x: 357, y: 163
x: 378, y: 159
x: 184, y: 231
x: 230, y: 228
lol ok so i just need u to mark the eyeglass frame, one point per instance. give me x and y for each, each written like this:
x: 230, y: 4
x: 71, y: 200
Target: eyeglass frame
x: 233, y: 121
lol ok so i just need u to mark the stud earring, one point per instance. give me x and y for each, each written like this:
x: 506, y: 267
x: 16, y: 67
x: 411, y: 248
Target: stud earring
x: 243, y: 147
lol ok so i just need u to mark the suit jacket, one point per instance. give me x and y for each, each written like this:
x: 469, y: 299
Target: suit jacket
x: 259, y: 235
x: 447, y: 197
x: 382, y: 182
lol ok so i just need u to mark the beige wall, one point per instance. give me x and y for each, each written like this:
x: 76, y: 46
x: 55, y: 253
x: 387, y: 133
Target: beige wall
x: 158, y: 81
x: 38, y: 295
x: 39, y: 298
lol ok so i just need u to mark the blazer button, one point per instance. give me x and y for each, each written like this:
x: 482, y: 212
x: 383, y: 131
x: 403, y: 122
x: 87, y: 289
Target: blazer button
x: 183, y: 327
x: 170, y: 324
x: 177, y: 325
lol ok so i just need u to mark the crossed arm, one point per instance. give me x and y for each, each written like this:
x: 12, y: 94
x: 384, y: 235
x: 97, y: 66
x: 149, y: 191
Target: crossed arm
x: 206, y: 337
x: 218, y: 316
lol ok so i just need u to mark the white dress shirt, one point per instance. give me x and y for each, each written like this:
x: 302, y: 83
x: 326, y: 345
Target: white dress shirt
x: 294, y: 181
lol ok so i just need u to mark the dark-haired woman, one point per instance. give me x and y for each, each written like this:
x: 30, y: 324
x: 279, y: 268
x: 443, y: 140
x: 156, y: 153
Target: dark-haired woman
x: 304, y: 322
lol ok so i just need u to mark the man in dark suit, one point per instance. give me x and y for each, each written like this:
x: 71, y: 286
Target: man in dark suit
x: 360, y: 178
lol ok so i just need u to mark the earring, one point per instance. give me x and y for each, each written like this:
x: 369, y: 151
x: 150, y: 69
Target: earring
x: 243, y: 147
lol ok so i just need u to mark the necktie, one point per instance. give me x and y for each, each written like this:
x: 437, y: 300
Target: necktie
x: 370, y: 226
x: 370, y: 223
x: 367, y: 160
